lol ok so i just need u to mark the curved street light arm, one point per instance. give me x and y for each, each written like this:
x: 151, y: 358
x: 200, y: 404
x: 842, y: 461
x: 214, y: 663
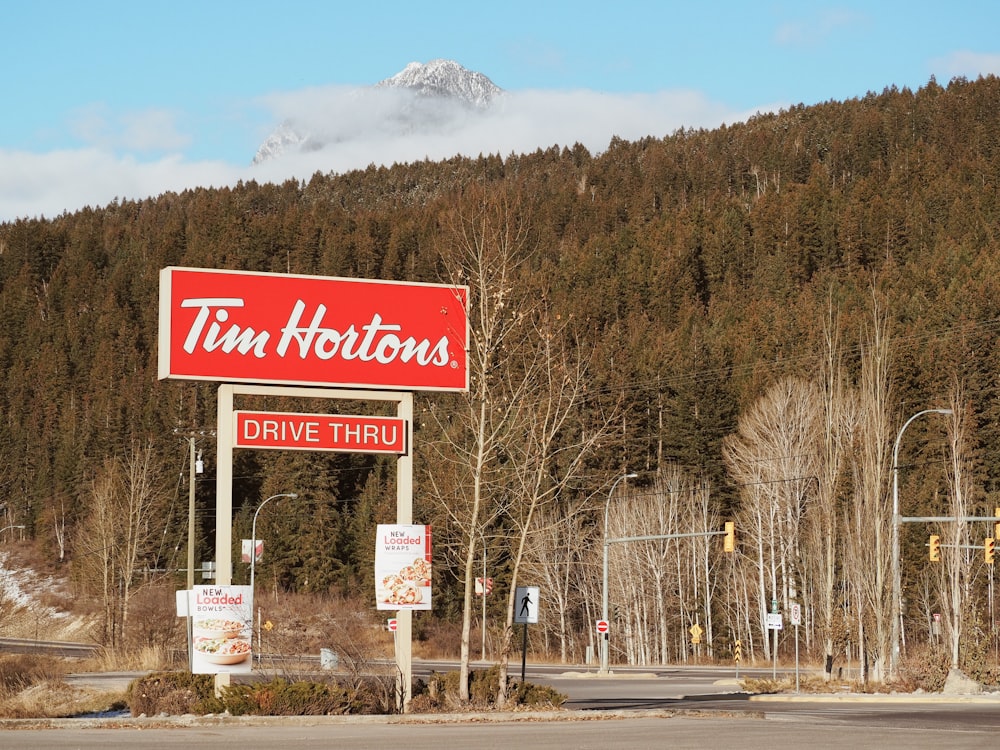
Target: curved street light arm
x: 604, y: 588
x: 253, y: 532
x: 897, y: 586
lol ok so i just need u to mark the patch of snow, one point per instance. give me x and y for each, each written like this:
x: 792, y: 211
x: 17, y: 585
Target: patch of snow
x: 21, y: 587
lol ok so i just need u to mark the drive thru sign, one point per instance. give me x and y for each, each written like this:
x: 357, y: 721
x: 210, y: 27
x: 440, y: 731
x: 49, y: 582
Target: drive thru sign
x: 320, y: 432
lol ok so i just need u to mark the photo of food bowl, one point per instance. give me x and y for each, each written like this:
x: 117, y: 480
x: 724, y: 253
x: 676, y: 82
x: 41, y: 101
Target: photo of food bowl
x: 217, y: 627
x: 222, y: 650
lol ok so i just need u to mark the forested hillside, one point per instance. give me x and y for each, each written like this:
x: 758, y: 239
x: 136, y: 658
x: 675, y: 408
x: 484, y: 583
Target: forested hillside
x: 715, y: 288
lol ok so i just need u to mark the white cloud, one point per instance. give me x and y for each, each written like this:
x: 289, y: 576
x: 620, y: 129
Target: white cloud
x: 146, y: 131
x: 356, y: 128
x: 34, y: 185
x: 815, y: 30
x: 965, y: 63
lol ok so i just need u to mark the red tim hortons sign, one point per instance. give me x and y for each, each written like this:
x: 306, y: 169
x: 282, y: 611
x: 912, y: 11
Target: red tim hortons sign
x: 239, y: 326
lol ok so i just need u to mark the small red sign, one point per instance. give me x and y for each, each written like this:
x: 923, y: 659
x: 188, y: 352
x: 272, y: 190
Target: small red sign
x: 602, y: 626
x: 237, y: 326
x: 320, y: 432
x: 392, y: 624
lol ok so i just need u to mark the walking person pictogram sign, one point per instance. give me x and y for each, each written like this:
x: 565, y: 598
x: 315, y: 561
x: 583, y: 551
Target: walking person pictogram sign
x: 526, y: 605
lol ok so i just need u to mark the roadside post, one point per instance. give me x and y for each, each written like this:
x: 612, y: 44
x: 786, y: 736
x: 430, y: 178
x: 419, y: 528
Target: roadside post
x: 696, y: 631
x: 525, y: 612
x: 774, y: 623
x: 796, y: 617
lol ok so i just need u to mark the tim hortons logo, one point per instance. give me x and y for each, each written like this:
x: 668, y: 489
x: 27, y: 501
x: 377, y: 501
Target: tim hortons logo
x: 287, y: 329
x: 376, y: 340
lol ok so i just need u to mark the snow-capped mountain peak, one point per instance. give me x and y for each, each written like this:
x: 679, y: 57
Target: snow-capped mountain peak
x: 445, y: 78
x: 425, y: 99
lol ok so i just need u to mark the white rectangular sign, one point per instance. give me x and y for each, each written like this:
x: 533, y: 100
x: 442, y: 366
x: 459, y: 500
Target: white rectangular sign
x: 245, y: 546
x: 403, y: 566
x: 526, y: 605
x: 774, y: 622
x: 221, y: 629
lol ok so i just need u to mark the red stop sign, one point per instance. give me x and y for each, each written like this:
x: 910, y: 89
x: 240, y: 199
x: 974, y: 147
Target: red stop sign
x: 602, y: 626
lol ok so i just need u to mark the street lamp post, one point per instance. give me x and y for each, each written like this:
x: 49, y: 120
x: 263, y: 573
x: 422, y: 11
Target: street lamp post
x: 253, y: 533
x: 897, y: 595
x: 604, y: 589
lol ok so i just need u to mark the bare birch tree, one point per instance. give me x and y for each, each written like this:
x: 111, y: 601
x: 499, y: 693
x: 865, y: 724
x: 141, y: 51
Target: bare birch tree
x: 955, y: 580
x: 548, y: 446
x: 870, y: 551
x: 776, y: 456
x: 660, y: 586
x: 838, y: 404
x: 116, y: 539
x: 516, y: 441
x: 487, y: 249
x: 557, y: 553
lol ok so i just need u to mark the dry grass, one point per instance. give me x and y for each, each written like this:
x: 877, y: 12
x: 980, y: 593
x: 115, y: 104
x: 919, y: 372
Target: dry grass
x: 56, y: 699
x: 147, y: 659
x: 33, y: 686
x: 809, y: 682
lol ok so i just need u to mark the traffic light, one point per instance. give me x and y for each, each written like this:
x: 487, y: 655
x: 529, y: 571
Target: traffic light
x: 729, y: 542
x: 988, y: 547
x: 996, y: 524
x: 935, y: 545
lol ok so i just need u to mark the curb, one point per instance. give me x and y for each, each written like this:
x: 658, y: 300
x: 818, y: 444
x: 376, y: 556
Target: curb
x: 190, y: 720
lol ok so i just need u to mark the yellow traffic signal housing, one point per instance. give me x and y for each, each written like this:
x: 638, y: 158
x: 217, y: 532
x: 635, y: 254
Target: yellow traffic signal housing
x: 935, y: 545
x: 988, y: 547
x: 729, y: 542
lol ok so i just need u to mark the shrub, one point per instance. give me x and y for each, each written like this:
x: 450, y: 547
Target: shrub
x: 540, y: 696
x: 924, y: 668
x: 182, y: 693
x: 171, y: 693
x: 281, y: 698
x: 441, y: 691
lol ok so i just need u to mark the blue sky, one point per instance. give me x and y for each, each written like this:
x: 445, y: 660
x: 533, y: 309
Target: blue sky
x: 108, y: 99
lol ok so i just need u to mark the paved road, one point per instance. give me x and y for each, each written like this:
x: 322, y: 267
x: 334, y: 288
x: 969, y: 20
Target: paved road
x: 647, y: 731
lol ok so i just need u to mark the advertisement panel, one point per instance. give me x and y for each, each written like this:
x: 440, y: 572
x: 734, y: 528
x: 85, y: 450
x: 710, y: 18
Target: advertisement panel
x: 245, y: 548
x: 239, y: 326
x: 221, y: 629
x: 403, y: 566
x: 320, y: 432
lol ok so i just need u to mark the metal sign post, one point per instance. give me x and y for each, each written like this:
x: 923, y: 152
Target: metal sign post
x: 525, y: 611
x: 796, y: 621
x: 775, y: 623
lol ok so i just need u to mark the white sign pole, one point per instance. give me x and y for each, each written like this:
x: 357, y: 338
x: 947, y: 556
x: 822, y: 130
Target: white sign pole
x: 224, y: 500
x: 796, y: 621
x: 404, y: 515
